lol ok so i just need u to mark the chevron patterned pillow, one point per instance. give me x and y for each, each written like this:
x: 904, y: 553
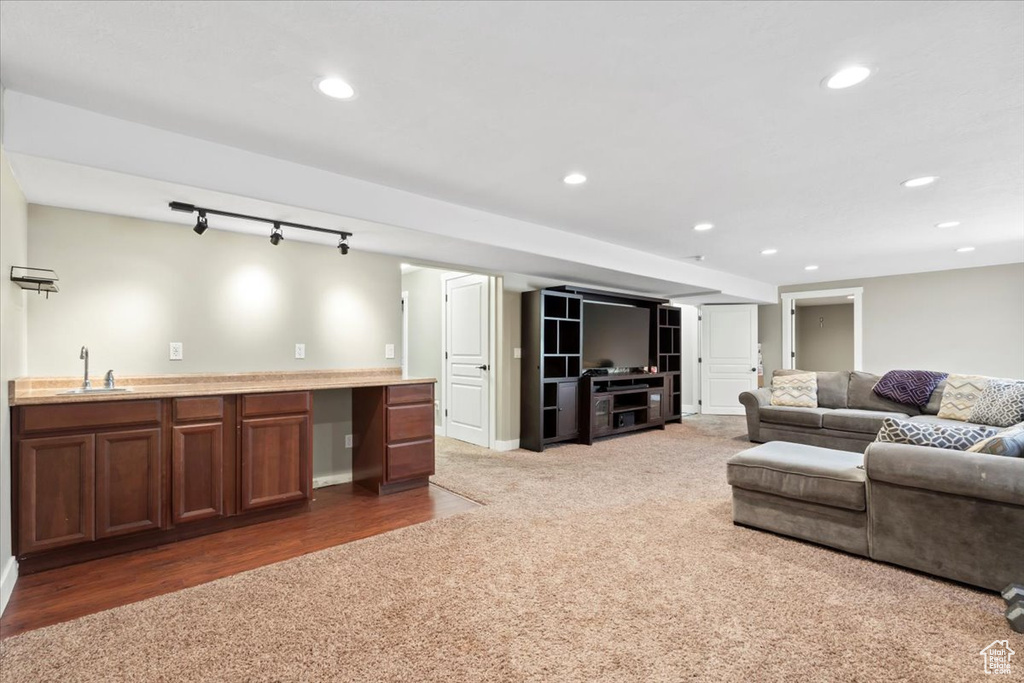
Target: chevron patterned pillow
x: 796, y: 391
x: 954, y: 438
x: 960, y: 395
x: 1000, y: 405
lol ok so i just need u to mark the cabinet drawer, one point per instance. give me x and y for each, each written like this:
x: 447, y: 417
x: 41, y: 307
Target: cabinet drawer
x: 198, y: 408
x: 254, y: 405
x: 408, y: 460
x: 411, y: 393
x: 410, y: 422
x: 50, y: 418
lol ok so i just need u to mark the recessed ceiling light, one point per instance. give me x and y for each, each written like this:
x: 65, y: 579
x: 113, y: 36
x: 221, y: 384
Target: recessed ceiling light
x: 574, y: 179
x: 920, y: 182
x: 769, y: 252
x: 336, y: 88
x: 964, y: 250
x: 851, y: 75
x: 701, y: 227
x: 810, y: 267
x: 947, y: 224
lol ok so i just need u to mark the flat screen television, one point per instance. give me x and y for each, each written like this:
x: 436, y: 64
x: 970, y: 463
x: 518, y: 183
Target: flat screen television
x: 615, y: 336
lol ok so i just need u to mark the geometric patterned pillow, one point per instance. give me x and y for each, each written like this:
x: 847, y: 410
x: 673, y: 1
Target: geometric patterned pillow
x: 960, y: 395
x: 951, y: 437
x: 912, y: 387
x: 1001, y: 404
x: 798, y: 391
x: 1009, y: 442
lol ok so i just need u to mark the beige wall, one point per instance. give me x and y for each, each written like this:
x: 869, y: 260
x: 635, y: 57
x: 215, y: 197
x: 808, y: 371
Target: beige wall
x: 13, y: 345
x: 967, y: 321
x: 425, y: 302
x: 130, y: 287
x: 510, y: 368
x: 824, y: 337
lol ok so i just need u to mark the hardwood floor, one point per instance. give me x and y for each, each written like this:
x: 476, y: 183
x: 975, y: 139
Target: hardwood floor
x: 338, y: 514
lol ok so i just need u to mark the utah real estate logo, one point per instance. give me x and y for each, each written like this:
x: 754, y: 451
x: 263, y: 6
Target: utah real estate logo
x: 997, y: 657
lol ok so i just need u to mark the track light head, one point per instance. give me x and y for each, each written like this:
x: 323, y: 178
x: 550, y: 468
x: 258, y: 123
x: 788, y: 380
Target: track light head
x: 276, y: 235
x: 343, y: 246
x: 201, y: 224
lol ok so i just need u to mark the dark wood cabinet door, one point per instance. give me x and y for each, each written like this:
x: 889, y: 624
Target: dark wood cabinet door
x: 567, y: 425
x: 654, y: 405
x: 275, y: 461
x: 127, y: 482
x: 56, y: 492
x: 197, y: 472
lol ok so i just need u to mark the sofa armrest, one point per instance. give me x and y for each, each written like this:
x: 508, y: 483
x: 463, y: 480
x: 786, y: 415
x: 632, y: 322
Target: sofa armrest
x: 752, y: 402
x: 973, y: 475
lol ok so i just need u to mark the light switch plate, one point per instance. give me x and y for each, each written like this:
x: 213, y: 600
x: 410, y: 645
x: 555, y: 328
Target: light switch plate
x: 300, y: 350
x: 348, y: 441
x: 517, y: 352
x: 177, y: 351
x: 389, y: 350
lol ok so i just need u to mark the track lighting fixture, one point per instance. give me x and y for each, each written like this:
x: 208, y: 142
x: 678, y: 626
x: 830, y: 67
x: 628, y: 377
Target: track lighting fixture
x: 276, y: 234
x: 201, y: 224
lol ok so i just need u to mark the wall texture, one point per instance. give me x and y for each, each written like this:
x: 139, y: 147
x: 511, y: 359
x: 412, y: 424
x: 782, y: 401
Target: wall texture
x: 968, y: 320
x: 824, y: 337
x: 13, y: 347
x: 129, y: 287
x: 425, y: 303
x: 509, y: 367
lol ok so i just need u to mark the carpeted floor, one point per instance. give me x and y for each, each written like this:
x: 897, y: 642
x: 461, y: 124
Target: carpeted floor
x: 616, y: 562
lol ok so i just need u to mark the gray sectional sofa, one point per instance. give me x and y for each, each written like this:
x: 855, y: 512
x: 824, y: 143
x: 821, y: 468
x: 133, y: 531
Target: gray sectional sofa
x: 848, y: 416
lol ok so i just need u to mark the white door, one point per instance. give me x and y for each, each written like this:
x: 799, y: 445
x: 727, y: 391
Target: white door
x: 728, y: 349
x: 467, y: 360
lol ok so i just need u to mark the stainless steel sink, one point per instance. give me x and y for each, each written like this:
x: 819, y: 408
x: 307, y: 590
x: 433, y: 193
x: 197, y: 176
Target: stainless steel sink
x: 97, y: 390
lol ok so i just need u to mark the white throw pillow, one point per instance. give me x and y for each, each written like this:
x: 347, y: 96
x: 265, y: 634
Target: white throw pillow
x: 797, y: 391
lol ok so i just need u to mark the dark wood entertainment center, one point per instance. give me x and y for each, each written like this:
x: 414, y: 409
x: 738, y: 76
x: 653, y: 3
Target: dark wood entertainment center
x: 561, y: 401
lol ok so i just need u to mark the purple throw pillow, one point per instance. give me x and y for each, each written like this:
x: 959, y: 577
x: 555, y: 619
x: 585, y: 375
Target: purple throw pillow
x: 912, y: 387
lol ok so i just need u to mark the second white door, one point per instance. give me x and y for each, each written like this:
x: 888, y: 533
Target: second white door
x: 467, y: 359
x: 728, y: 350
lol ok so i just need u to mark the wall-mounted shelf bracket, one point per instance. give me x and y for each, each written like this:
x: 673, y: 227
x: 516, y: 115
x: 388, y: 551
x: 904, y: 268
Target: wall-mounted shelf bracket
x: 38, y: 280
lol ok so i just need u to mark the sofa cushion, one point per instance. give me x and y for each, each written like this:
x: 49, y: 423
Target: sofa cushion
x: 808, y: 473
x: 832, y: 386
x: 1000, y: 405
x: 919, y: 433
x: 800, y: 391
x: 862, y: 396
x: 1009, y: 442
x: 935, y: 402
x: 913, y: 387
x: 960, y: 395
x: 860, y: 421
x: 796, y: 417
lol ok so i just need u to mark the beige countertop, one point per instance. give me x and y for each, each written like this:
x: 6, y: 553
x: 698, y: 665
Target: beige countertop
x: 48, y: 390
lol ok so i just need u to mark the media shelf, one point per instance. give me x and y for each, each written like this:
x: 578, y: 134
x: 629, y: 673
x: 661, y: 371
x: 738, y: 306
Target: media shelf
x: 670, y: 355
x: 616, y: 404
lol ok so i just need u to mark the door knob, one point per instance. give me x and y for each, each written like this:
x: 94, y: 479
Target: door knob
x: 482, y: 367
x: 753, y: 369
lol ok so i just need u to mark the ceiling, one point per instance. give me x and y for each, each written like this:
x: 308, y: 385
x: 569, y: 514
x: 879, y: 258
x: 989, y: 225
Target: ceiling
x: 677, y: 112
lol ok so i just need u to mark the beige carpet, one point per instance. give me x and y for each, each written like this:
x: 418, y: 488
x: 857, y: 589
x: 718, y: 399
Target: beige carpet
x: 616, y: 562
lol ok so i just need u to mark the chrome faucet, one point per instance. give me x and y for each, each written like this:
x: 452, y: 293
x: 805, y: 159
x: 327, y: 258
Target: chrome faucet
x: 84, y: 355
x: 109, y: 383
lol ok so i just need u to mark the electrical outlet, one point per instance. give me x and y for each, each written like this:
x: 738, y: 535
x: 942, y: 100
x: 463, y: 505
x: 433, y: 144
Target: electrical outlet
x: 389, y: 350
x: 348, y: 441
x: 517, y: 352
x: 300, y: 350
x: 177, y: 352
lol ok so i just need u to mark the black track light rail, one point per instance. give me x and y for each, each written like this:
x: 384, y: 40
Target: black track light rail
x: 202, y: 210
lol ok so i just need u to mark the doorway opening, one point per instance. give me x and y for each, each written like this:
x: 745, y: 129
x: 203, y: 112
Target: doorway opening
x: 822, y: 330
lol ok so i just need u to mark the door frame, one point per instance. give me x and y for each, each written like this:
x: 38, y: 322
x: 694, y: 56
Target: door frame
x: 493, y: 304
x: 789, y: 300
x: 405, y: 334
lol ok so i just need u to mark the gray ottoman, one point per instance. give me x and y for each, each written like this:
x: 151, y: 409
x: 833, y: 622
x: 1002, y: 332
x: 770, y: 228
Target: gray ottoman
x: 808, y: 492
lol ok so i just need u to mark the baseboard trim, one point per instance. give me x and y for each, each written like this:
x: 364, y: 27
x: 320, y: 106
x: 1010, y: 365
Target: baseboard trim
x: 689, y: 410
x: 7, y: 580
x: 506, y: 445
x: 331, y: 480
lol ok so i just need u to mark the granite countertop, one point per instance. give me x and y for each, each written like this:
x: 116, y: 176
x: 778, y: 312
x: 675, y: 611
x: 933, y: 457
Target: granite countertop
x: 50, y: 390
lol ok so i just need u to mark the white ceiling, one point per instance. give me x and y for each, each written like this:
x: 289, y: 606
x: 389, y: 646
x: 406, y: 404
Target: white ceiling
x: 677, y: 113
